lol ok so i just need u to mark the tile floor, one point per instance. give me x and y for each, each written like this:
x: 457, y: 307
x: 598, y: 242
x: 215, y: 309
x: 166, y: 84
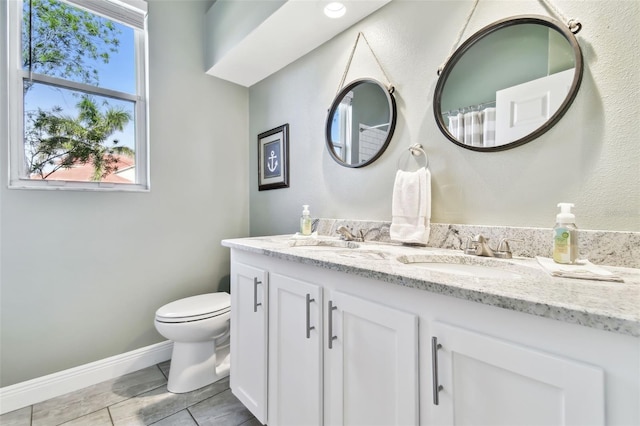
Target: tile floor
x: 138, y: 398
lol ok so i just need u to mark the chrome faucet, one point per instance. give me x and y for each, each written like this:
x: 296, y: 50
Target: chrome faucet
x: 345, y: 234
x: 479, y: 246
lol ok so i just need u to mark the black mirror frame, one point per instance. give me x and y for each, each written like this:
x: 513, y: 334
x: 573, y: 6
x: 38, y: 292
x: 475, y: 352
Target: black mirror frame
x: 507, y: 22
x: 336, y: 102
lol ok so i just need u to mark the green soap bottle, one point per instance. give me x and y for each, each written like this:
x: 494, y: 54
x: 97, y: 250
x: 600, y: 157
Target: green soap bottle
x: 565, y: 236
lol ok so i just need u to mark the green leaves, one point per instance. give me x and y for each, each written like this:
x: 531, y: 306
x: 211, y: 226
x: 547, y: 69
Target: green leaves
x: 66, y: 40
x: 56, y: 141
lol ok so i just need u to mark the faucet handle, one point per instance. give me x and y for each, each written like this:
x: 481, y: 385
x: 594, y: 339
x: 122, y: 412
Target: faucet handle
x: 471, y: 246
x: 479, y: 239
x: 503, y: 251
x: 346, y: 234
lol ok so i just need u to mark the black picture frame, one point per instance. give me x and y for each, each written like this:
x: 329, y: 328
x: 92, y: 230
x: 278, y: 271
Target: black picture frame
x: 273, y: 158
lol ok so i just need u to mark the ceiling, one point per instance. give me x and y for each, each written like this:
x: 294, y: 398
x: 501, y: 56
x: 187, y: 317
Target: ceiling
x: 248, y: 40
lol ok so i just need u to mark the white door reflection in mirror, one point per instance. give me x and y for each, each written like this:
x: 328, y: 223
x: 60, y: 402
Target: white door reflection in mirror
x: 523, y: 108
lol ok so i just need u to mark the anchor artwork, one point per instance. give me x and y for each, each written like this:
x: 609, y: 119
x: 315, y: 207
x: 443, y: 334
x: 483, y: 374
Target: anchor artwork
x: 273, y: 158
x: 272, y: 167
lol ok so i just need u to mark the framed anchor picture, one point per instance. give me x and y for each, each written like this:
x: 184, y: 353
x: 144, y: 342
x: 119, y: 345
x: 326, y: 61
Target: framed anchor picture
x: 273, y: 158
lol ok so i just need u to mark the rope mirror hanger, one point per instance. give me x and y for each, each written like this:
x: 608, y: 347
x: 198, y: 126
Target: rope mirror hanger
x: 573, y: 24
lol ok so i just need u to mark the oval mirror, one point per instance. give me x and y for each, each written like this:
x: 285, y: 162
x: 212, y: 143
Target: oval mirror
x: 508, y: 83
x: 360, y: 123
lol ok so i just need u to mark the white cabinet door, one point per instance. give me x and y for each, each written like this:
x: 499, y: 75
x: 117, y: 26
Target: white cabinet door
x: 248, y: 376
x: 371, y: 363
x: 489, y: 381
x: 295, y: 352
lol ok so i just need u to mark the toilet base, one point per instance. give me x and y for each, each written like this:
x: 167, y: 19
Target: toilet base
x: 196, y: 364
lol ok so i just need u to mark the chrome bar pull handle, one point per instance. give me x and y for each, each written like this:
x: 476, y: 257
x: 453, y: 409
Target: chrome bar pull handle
x: 309, y: 327
x: 331, y: 336
x: 434, y: 369
x: 255, y: 294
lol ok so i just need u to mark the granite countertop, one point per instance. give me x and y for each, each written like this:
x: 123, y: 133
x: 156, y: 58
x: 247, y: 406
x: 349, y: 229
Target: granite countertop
x: 524, y: 286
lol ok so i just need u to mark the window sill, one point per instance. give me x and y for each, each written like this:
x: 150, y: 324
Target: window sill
x: 60, y: 185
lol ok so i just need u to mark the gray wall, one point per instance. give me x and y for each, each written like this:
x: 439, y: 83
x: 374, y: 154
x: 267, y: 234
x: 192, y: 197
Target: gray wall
x: 591, y: 157
x: 82, y: 273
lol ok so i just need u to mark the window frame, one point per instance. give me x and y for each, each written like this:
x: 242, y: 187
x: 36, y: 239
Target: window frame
x: 17, y: 76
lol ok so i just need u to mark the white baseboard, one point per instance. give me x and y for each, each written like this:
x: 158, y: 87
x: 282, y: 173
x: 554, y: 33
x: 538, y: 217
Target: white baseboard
x: 46, y: 387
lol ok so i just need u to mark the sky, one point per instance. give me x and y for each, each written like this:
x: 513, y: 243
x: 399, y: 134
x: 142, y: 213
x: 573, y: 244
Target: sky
x: 118, y: 74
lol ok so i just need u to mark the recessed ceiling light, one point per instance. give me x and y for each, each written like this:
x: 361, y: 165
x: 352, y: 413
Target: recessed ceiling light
x: 335, y: 10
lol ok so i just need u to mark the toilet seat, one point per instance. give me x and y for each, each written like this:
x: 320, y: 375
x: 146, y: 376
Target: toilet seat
x: 195, y: 308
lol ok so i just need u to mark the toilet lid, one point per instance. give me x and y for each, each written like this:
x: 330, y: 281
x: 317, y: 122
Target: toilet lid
x: 195, y: 307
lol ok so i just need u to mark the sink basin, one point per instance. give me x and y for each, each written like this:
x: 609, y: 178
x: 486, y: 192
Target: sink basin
x: 470, y: 266
x: 323, y: 243
x: 338, y: 249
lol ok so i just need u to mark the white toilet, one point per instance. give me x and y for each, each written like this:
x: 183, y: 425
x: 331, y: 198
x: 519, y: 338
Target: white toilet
x: 199, y: 329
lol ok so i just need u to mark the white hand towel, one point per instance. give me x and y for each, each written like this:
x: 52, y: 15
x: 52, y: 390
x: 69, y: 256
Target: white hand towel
x: 584, y: 270
x: 411, y: 207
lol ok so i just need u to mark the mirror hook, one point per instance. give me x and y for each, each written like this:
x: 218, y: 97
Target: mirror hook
x: 574, y: 25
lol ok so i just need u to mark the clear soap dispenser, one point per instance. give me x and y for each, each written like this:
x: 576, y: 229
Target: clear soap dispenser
x: 305, y: 221
x: 565, y: 236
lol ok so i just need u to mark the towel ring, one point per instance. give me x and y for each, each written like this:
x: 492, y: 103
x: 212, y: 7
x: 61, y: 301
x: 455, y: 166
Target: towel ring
x: 415, y: 150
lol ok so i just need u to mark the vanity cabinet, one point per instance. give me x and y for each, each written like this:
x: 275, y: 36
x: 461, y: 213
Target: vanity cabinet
x: 490, y: 381
x: 333, y: 358
x: 344, y: 349
x: 295, y: 352
x: 249, y: 309
x: 371, y: 363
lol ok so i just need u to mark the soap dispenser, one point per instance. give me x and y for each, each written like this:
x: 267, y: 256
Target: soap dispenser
x: 565, y: 236
x: 305, y: 221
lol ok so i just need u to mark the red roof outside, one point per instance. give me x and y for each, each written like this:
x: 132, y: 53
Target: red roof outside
x: 84, y: 172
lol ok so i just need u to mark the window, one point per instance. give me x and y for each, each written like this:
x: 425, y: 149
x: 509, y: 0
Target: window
x: 77, y: 94
x: 341, y: 128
